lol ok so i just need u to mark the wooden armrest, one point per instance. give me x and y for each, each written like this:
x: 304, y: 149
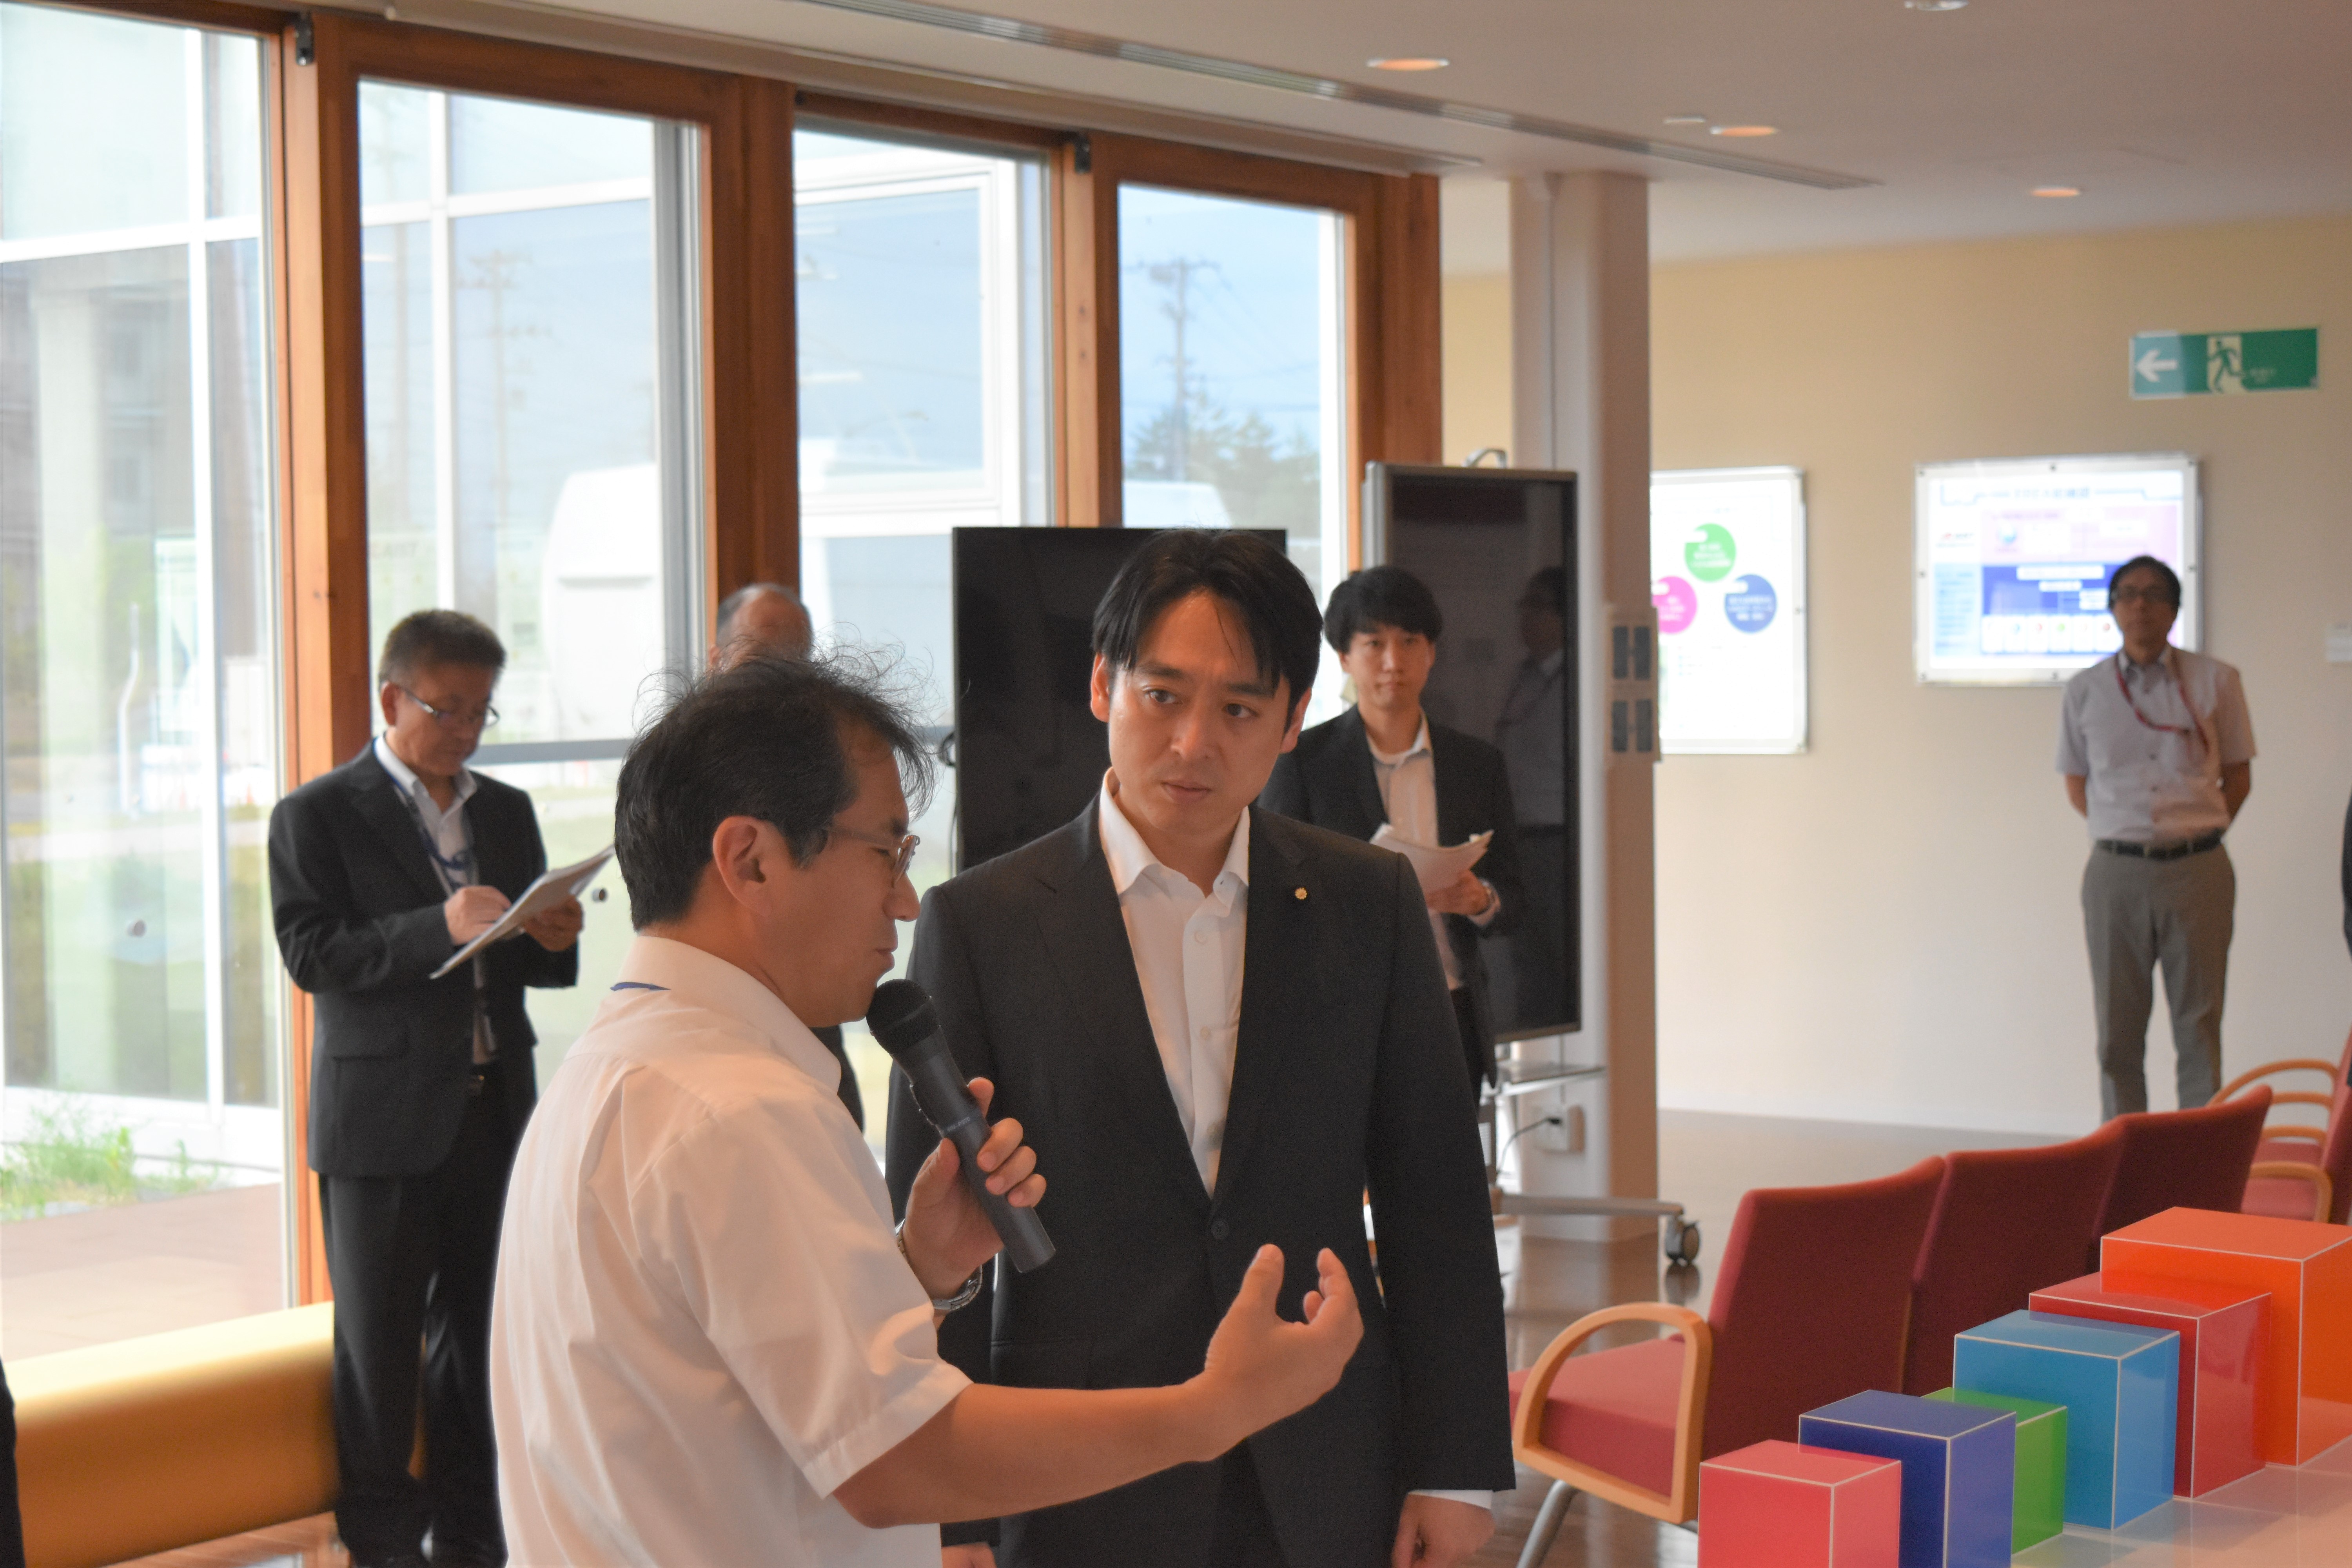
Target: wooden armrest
x: 2297, y: 1131
x: 2297, y: 1064
x: 1675, y: 1507
x: 2301, y: 1096
x: 2323, y: 1191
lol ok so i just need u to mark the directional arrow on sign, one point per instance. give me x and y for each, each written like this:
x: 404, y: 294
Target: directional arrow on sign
x: 2152, y: 367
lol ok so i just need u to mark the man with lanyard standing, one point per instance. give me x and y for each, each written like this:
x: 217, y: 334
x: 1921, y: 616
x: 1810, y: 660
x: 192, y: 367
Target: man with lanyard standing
x: 379, y: 872
x: 2157, y: 750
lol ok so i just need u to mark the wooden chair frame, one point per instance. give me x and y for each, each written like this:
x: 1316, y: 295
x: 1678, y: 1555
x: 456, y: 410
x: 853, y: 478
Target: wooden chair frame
x: 1678, y: 1506
x: 2323, y: 1189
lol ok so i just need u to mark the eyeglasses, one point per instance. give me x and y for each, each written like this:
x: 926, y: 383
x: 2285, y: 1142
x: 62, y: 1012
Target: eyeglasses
x: 450, y: 718
x: 902, y: 850
x: 2140, y: 596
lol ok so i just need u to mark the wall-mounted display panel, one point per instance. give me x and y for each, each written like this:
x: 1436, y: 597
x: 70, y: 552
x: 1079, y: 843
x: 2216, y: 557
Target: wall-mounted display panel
x: 1727, y: 576
x: 2013, y: 557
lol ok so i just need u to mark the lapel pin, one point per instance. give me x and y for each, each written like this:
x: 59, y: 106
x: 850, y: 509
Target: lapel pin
x: 1298, y: 893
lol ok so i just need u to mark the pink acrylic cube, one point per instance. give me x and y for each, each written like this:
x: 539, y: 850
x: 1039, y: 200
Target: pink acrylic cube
x: 1782, y: 1505
x: 2224, y: 1337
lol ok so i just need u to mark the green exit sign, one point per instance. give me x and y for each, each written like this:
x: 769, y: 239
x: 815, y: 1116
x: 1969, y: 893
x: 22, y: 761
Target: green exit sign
x: 2190, y: 364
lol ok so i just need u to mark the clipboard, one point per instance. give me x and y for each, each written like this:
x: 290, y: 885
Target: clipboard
x: 552, y: 889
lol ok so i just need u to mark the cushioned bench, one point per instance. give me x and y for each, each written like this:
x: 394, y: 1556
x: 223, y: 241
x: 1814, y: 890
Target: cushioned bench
x: 150, y: 1444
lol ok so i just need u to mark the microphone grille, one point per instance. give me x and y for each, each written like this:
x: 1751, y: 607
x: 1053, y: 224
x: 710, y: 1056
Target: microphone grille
x: 900, y: 1014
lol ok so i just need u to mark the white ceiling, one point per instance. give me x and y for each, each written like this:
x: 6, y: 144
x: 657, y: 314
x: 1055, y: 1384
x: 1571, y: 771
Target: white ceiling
x: 2163, y: 111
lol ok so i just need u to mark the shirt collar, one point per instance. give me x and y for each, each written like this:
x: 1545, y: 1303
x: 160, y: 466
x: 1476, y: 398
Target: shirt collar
x: 1129, y: 857
x: 2165, y: 664
x: 701, y: 978
x: 1390, y: 759
x: 410, y: 784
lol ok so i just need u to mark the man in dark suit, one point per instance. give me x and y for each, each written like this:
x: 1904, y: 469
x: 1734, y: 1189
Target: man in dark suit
x: 379, y: 871
x: 1220, y: 1028
x: 1384, y: 762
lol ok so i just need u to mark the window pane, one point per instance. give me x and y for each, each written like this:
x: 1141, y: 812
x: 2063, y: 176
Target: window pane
x: 1229, y: 370
x: 513, y: 372
x: 921, y: 300
x: 141, y: 1001
x: 93, y: 120
x: 522, y: 362
x: 497, y: 144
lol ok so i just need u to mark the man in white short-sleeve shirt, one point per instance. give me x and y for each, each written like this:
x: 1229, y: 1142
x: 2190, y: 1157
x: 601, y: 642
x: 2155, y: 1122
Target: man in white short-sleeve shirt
x: 2158, y: 750
x: 707, y: 1348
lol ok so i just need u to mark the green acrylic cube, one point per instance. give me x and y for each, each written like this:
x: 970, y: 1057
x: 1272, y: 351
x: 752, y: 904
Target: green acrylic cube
x: 2041, y: 1505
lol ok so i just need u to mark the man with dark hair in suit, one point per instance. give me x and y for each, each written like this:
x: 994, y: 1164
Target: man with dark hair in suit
x: 379, y: 871
x: 1220, y: 1028
x: 1385, y: 761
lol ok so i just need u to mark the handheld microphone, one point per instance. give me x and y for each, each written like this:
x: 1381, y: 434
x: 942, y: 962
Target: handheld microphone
x: 902, y: 1019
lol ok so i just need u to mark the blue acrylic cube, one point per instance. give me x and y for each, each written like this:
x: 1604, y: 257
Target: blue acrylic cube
x: 1959, y: 1470
x: 2121, y: 1387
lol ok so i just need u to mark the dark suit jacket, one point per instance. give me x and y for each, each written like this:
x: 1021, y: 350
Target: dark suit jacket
x: 358, y: 907
x: 1329, y: 779
x: 1348, y: 1075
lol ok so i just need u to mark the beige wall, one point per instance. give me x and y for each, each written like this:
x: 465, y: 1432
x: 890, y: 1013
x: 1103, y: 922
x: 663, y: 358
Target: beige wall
x: 1886, y: 927
x: 1478, y: 365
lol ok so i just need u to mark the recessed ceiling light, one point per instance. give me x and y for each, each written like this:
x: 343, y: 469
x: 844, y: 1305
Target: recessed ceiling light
x: 1686, y: 119
x: 2057, y: 190
x: 1411, y: 63
x: 1743, y: 130
x: 1934, y: 5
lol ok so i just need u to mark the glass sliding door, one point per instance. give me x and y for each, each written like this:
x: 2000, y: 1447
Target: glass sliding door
x: 1233, y: 405
x: 921, y: 303
x: 532, y: 415
x: 142, y: 1002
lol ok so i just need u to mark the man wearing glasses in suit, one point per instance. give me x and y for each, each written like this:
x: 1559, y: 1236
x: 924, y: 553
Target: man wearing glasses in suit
x: 379, y: 872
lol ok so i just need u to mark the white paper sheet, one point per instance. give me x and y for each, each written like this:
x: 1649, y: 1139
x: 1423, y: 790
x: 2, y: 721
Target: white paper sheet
x: 553, y: 888
x: 1437, y: 868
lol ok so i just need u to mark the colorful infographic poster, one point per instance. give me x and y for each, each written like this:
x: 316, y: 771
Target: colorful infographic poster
x: 1727, y: 576
x: 2013, y: 559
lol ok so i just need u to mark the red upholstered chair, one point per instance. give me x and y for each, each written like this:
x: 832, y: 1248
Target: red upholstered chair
x: 2007, y: 1222
x: 2183, y: 1159
x: 2297, y: 1180
x: 1810, y: 1305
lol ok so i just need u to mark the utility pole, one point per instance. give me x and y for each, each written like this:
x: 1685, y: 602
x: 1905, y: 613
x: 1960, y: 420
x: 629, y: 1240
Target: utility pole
x: 1176, y: 275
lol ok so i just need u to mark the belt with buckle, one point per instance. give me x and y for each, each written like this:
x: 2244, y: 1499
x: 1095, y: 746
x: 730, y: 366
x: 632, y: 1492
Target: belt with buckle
x: 2181, y: 851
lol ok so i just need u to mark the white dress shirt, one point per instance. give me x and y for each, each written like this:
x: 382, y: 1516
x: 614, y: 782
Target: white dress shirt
x: 449, y: 845
x: 1188, y: 947
x: 702, y: 1325
x: 2151, y: 745
x: 1408, y: 795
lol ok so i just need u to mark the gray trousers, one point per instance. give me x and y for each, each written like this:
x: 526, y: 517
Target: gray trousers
x: 2138, y: 914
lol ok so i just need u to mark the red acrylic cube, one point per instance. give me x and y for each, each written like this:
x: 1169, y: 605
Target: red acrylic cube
x: 2224, y: 1338
x: 1783, y: 1505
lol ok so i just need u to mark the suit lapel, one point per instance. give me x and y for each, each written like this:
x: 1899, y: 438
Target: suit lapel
x: 377, y: 800
x: 1087, y: 937
x: 1279, y: 996
x: 493, y: 848
x: 1354, y: 754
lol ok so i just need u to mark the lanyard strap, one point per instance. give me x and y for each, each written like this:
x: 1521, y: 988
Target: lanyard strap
x: 456, y: 870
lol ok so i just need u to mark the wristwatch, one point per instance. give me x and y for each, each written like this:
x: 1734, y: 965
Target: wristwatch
x: 961, y: 1298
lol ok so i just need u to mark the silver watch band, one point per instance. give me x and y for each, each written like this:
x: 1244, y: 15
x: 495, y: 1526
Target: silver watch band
x: 954, y: 1303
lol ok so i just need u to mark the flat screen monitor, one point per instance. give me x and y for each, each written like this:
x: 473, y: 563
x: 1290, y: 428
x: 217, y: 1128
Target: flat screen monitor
x: 2014, y: 554
x: 1497, y: 546
x: 1029, y: 752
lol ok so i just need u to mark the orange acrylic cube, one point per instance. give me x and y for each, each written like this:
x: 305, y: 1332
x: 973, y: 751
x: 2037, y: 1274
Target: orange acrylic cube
x: 2306, y: 1400
x: 1783, y: 1505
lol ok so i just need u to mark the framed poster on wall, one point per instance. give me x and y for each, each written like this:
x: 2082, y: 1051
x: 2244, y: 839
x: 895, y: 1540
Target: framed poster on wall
x: 2012, y: 558
x: 1727, y: 576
